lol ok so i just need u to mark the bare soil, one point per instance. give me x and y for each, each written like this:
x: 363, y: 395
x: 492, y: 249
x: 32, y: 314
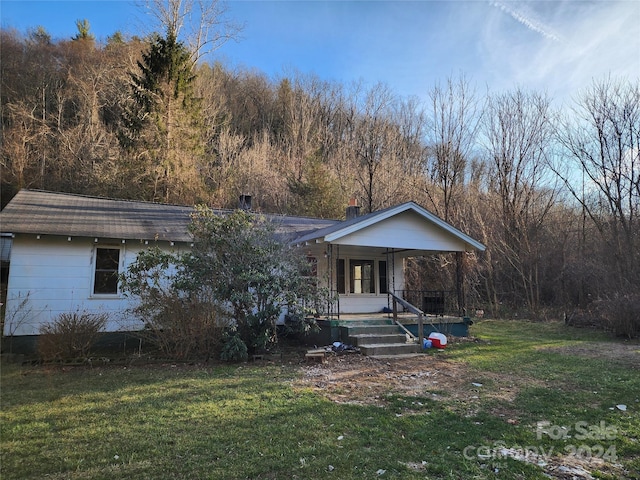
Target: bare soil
x: 356, y: 379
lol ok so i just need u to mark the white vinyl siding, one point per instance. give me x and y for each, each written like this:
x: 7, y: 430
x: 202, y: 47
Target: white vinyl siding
x: 58, y: 276
x: 406, y: 231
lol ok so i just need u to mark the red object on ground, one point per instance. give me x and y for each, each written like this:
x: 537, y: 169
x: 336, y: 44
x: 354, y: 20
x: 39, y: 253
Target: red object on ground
x: 438, y: 340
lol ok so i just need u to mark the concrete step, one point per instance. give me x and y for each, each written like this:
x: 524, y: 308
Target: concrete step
x: 365, y: 322
x: 389, y: 349
x: 373, y: 338
x: 373, y: 330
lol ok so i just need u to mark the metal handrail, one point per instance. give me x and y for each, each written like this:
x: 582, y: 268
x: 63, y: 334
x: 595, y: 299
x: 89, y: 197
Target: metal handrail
x: 411, y: 308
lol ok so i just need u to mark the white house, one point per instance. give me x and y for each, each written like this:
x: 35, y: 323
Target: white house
x: 67, y: 250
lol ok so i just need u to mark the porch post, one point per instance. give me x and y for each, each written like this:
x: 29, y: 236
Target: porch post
x: 337, y: 292
x: 393, y: 271
x: 395, y: 311
x: 460, y: 283
x: 330, y: 269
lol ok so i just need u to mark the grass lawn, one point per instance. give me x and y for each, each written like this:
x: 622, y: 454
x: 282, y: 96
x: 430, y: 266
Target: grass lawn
x: 539, y: 389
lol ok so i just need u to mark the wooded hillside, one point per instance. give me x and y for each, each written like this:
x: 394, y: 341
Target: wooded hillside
x: 555, y: 195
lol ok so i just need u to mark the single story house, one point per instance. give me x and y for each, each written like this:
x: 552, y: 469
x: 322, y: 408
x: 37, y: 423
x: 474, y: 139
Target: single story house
x: 66, y: 249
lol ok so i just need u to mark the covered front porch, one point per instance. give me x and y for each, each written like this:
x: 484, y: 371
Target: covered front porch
x: 362, y: 265
x: 363, y: 280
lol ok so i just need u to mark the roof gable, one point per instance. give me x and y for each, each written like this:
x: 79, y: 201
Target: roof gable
x: 405, y: 226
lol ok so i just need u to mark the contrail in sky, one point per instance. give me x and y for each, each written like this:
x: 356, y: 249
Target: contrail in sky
x: 527, y: 21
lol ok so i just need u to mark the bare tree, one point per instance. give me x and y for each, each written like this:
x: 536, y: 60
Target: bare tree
x: 200, y: 24
x: 451, y: 136
x: 375, y: 141
x: 602, y: 145
x: 518, y: 131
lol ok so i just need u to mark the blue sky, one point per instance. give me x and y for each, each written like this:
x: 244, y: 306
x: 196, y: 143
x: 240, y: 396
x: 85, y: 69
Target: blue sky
x: 553, y: 46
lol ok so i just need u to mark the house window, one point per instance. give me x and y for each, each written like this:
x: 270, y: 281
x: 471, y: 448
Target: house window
x: 340, y: 276
x: 105, y: 281
x: 361, y: 276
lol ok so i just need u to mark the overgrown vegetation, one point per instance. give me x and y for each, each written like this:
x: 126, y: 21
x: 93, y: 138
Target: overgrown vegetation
x: 232, y: 285
x: 621, y: 314
x: 260, y: 421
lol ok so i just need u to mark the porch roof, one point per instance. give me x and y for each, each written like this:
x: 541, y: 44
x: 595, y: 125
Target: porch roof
x: 407, y: 226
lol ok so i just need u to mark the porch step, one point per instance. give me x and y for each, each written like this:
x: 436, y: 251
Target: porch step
x: 389, y: 349
x: 373, y: 330
x: 373, y: 338
x: 365, y: 322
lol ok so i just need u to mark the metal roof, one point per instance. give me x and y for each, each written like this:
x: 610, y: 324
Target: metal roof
x: 51, y: 213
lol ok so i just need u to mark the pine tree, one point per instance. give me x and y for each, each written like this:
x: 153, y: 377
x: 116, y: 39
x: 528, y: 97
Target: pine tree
x: 163, y: 121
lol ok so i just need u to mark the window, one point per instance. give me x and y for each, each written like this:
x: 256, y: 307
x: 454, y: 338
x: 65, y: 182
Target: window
x: 340, y: 276
x: 105, y: 281
x: 361, y: 276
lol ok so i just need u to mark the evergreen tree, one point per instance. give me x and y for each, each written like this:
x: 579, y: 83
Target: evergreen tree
x: 317, y: 193
x: 83, y: 31
x: 163, y: 122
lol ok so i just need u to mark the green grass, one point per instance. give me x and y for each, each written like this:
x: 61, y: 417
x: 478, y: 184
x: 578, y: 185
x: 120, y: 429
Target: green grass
x: 252, y: 421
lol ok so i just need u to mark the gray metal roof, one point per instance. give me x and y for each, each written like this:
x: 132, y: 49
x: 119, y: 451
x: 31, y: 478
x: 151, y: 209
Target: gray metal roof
x: 50, y: 213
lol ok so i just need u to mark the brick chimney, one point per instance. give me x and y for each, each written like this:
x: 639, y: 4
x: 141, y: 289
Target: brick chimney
x: 353, y: 210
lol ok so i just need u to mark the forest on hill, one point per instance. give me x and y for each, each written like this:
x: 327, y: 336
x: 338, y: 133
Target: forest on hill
x: 554, y: 194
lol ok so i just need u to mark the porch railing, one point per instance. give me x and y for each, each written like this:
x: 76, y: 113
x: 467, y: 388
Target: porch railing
x: 411, y: 309
x: 432, y: 302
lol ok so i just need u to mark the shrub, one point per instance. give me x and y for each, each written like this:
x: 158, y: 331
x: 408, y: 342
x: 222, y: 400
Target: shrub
x: 186, y: 329
x: 70, y: 335
x: 234, y: 349
x: 240, y: 260
x: 237, y: 273
x: 182, y: 324
x: 621, y: 314
x: 296, y: 324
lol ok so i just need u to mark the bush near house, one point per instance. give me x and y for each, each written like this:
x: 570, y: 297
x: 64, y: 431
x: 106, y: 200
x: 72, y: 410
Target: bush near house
x: 70, y: 336
x: 230, y: 287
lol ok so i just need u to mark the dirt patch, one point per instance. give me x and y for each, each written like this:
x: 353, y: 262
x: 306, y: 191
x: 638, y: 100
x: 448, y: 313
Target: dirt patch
x: 356, y: 379
x: 364, y: 380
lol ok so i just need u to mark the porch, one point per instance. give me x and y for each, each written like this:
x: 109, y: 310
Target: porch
x: 393, y: 333
x: 447, y: 324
